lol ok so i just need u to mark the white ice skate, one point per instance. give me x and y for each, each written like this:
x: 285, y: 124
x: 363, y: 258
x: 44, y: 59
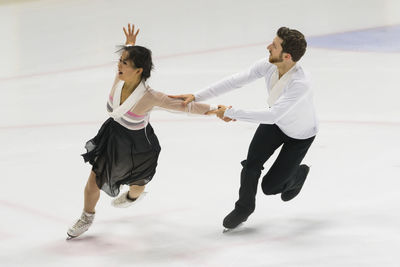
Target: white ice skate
x: 81, y: 225
x: 123, y: 201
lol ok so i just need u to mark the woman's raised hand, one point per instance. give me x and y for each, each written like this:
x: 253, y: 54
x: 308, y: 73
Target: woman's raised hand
x: 130, y: 34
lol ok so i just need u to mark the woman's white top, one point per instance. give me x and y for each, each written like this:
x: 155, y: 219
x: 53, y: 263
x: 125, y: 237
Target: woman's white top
x: 134, y: 112
x: 290, y: 99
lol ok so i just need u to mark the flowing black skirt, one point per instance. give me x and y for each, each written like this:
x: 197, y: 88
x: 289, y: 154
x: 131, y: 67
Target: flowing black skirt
x: 120, y: 156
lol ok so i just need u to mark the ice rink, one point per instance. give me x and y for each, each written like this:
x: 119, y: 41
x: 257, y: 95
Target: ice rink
x: 57, y: 65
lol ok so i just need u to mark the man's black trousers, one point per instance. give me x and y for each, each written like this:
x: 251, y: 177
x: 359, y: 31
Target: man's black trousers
x: 281, y: 176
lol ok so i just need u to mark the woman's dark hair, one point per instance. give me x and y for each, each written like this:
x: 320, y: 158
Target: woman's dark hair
x: 293, y: 43
x: 141, y: 58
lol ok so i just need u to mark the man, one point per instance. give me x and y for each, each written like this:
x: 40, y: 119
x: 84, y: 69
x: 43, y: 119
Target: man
x: 290, y: 122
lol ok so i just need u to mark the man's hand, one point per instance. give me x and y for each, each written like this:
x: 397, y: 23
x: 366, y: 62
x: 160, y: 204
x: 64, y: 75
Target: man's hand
x: 130, y: 34
x: 186, y: 98
x: 220, y: 113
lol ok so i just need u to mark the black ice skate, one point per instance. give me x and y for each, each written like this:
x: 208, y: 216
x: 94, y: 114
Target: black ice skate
x: 234, y: 220
x: 300, y: 179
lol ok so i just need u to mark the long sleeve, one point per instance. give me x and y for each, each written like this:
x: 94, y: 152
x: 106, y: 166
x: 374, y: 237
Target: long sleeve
x: 134, y: 113
x: 163, y: 101
x: 293, y: 112
x: 288, y: 102
x: 256, y: 71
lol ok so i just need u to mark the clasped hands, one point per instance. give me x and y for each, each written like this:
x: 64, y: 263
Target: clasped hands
x: 220, y: 113
x: 187, y: 98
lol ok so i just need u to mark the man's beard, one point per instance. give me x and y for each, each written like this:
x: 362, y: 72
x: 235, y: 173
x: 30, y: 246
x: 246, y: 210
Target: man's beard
x: 276, y: 60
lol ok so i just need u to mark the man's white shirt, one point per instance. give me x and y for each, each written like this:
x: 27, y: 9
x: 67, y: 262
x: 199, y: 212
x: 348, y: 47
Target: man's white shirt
x: 292, y: 110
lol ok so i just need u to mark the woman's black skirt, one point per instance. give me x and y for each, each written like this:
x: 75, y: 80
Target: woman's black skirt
x: 120, y: 156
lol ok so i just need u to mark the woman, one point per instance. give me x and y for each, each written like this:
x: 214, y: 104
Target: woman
x: 125, y: 150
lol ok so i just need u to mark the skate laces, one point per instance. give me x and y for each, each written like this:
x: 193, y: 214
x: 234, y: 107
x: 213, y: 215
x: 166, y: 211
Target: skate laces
x: 83, y: 221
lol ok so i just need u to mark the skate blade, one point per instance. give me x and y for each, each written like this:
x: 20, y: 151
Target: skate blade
x: 69, y: 237
x: 229, y: 230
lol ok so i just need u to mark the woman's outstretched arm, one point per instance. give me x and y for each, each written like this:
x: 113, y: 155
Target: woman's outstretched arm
x: 162, y: 100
